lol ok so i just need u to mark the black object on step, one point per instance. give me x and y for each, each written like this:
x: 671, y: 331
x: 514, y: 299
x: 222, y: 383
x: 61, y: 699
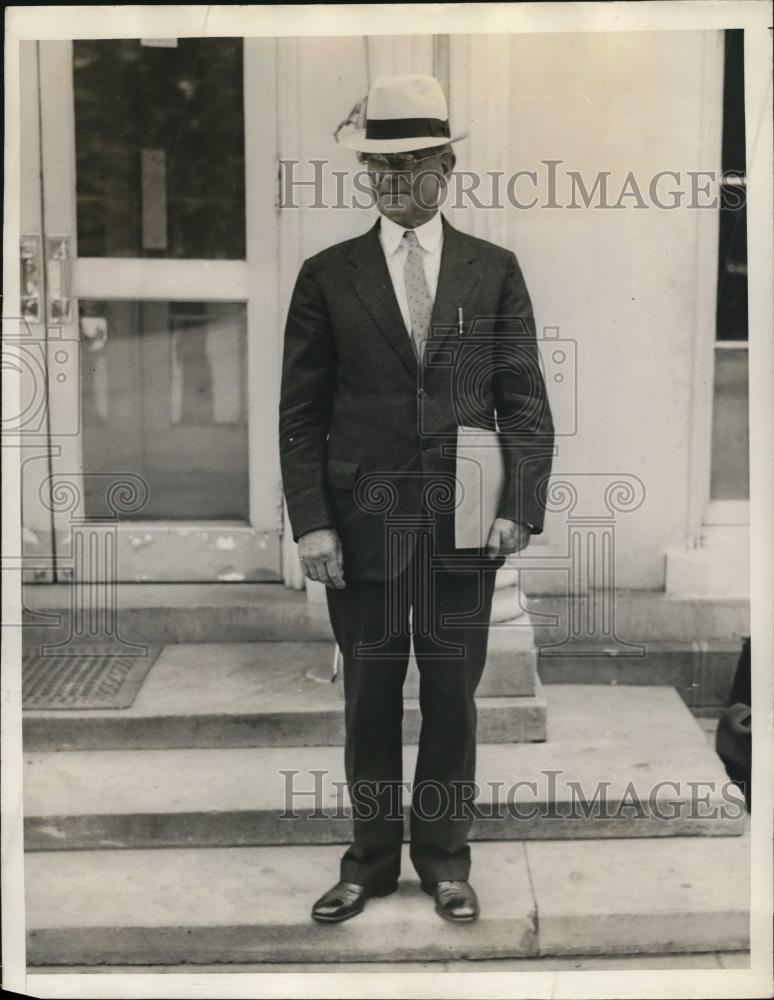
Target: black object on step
x: 733, y: 739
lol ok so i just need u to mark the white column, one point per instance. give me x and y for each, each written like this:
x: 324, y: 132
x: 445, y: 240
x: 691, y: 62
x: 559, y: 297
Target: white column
x: 480, y: 88
x: 395, y: 55
x: 480, y: 85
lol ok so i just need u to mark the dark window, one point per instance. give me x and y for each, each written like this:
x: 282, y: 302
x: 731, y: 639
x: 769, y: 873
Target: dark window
x: 732, y: 261
x: 159, y: 139
x: 730, y: 477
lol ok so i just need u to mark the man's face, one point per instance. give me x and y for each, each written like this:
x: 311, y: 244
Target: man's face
x: 409, y: 186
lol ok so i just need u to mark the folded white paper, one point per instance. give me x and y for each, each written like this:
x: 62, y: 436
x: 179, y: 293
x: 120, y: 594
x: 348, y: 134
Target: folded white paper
x: 480, y: 475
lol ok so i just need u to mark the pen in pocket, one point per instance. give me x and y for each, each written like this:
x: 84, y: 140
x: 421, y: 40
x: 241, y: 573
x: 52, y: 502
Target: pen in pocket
x: 335, y: 668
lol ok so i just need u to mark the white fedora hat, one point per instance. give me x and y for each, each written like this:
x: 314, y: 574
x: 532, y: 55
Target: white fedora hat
x: 402, y: 113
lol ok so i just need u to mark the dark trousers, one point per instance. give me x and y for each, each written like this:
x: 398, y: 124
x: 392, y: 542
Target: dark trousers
x: 449, y: 626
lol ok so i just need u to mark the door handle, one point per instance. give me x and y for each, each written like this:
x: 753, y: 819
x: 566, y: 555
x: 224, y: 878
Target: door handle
x: 58, y: 280
x: 30, y: 291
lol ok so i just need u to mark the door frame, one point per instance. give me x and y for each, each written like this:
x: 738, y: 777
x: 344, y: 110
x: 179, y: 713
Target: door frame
x: 27, y: 352
x: 180, y: 551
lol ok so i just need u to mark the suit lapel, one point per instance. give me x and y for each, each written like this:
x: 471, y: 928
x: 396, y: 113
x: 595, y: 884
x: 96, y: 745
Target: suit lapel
x: 373, y: 284
x: 455, y: 283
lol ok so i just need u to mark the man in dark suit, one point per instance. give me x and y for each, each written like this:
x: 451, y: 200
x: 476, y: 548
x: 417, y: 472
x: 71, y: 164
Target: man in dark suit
x: 393, y: 340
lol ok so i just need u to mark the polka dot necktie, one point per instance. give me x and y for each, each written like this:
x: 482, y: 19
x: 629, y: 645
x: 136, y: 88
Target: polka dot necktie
x: 420, y: 301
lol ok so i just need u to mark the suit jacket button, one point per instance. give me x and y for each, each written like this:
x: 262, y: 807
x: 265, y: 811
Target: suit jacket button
x: 421, y: 393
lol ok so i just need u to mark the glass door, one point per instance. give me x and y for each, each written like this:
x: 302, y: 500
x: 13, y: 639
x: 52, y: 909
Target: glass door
x: 161, y: 268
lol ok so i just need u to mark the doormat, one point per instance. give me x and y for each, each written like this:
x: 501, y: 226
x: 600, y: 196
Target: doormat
x: 94, y: 677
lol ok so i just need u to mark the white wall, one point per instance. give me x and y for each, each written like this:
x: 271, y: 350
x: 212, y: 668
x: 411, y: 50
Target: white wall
x: 634, y: 288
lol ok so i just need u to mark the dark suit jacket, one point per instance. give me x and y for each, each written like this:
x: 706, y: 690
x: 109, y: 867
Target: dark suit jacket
x: 367, y: 435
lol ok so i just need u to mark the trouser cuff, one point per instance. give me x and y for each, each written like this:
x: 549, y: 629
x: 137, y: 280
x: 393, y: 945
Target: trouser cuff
x: 372, y: 877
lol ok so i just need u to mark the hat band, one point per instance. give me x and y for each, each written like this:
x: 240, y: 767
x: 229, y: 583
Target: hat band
x: 406, y: 128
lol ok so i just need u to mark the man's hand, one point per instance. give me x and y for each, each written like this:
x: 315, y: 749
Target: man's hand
x: 507, y: 537
x: 321, y: 557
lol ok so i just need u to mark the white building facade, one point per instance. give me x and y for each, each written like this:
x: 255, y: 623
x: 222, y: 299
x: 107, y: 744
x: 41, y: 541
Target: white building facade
x: 164, y: 222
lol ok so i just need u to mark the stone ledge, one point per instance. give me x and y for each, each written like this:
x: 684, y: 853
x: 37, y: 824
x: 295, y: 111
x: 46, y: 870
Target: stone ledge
x: 269, y: 694
x: 240, y: 905
x: 597, y: 775
x: 701, y: 671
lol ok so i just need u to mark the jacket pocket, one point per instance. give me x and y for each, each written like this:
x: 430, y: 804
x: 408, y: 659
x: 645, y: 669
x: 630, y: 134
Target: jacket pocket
x: 341, y: 475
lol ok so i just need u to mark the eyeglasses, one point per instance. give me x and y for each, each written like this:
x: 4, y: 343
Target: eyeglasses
x: 398, y: 162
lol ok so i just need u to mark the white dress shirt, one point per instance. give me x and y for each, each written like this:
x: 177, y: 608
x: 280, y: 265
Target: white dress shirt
x: 430, y: 240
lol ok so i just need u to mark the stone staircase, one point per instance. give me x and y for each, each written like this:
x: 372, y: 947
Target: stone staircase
x: 691, y: 645
x: 199, y: 825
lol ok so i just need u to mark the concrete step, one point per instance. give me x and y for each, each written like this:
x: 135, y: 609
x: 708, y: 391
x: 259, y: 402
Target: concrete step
x: 160, y: 613
x: 266, y: 694
x: 232, y: 905
x: 248, y: 612
x: 601, y: 774
x: 634, y: 617
x: 657, y: 961
x: 702, y: 671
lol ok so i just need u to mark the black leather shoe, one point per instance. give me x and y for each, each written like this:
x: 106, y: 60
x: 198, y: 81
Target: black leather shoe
x: 345, y: 900
x: 455, y: 901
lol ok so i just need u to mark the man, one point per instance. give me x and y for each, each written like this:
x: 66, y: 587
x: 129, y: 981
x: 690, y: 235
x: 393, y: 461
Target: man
x: 393, y: 340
